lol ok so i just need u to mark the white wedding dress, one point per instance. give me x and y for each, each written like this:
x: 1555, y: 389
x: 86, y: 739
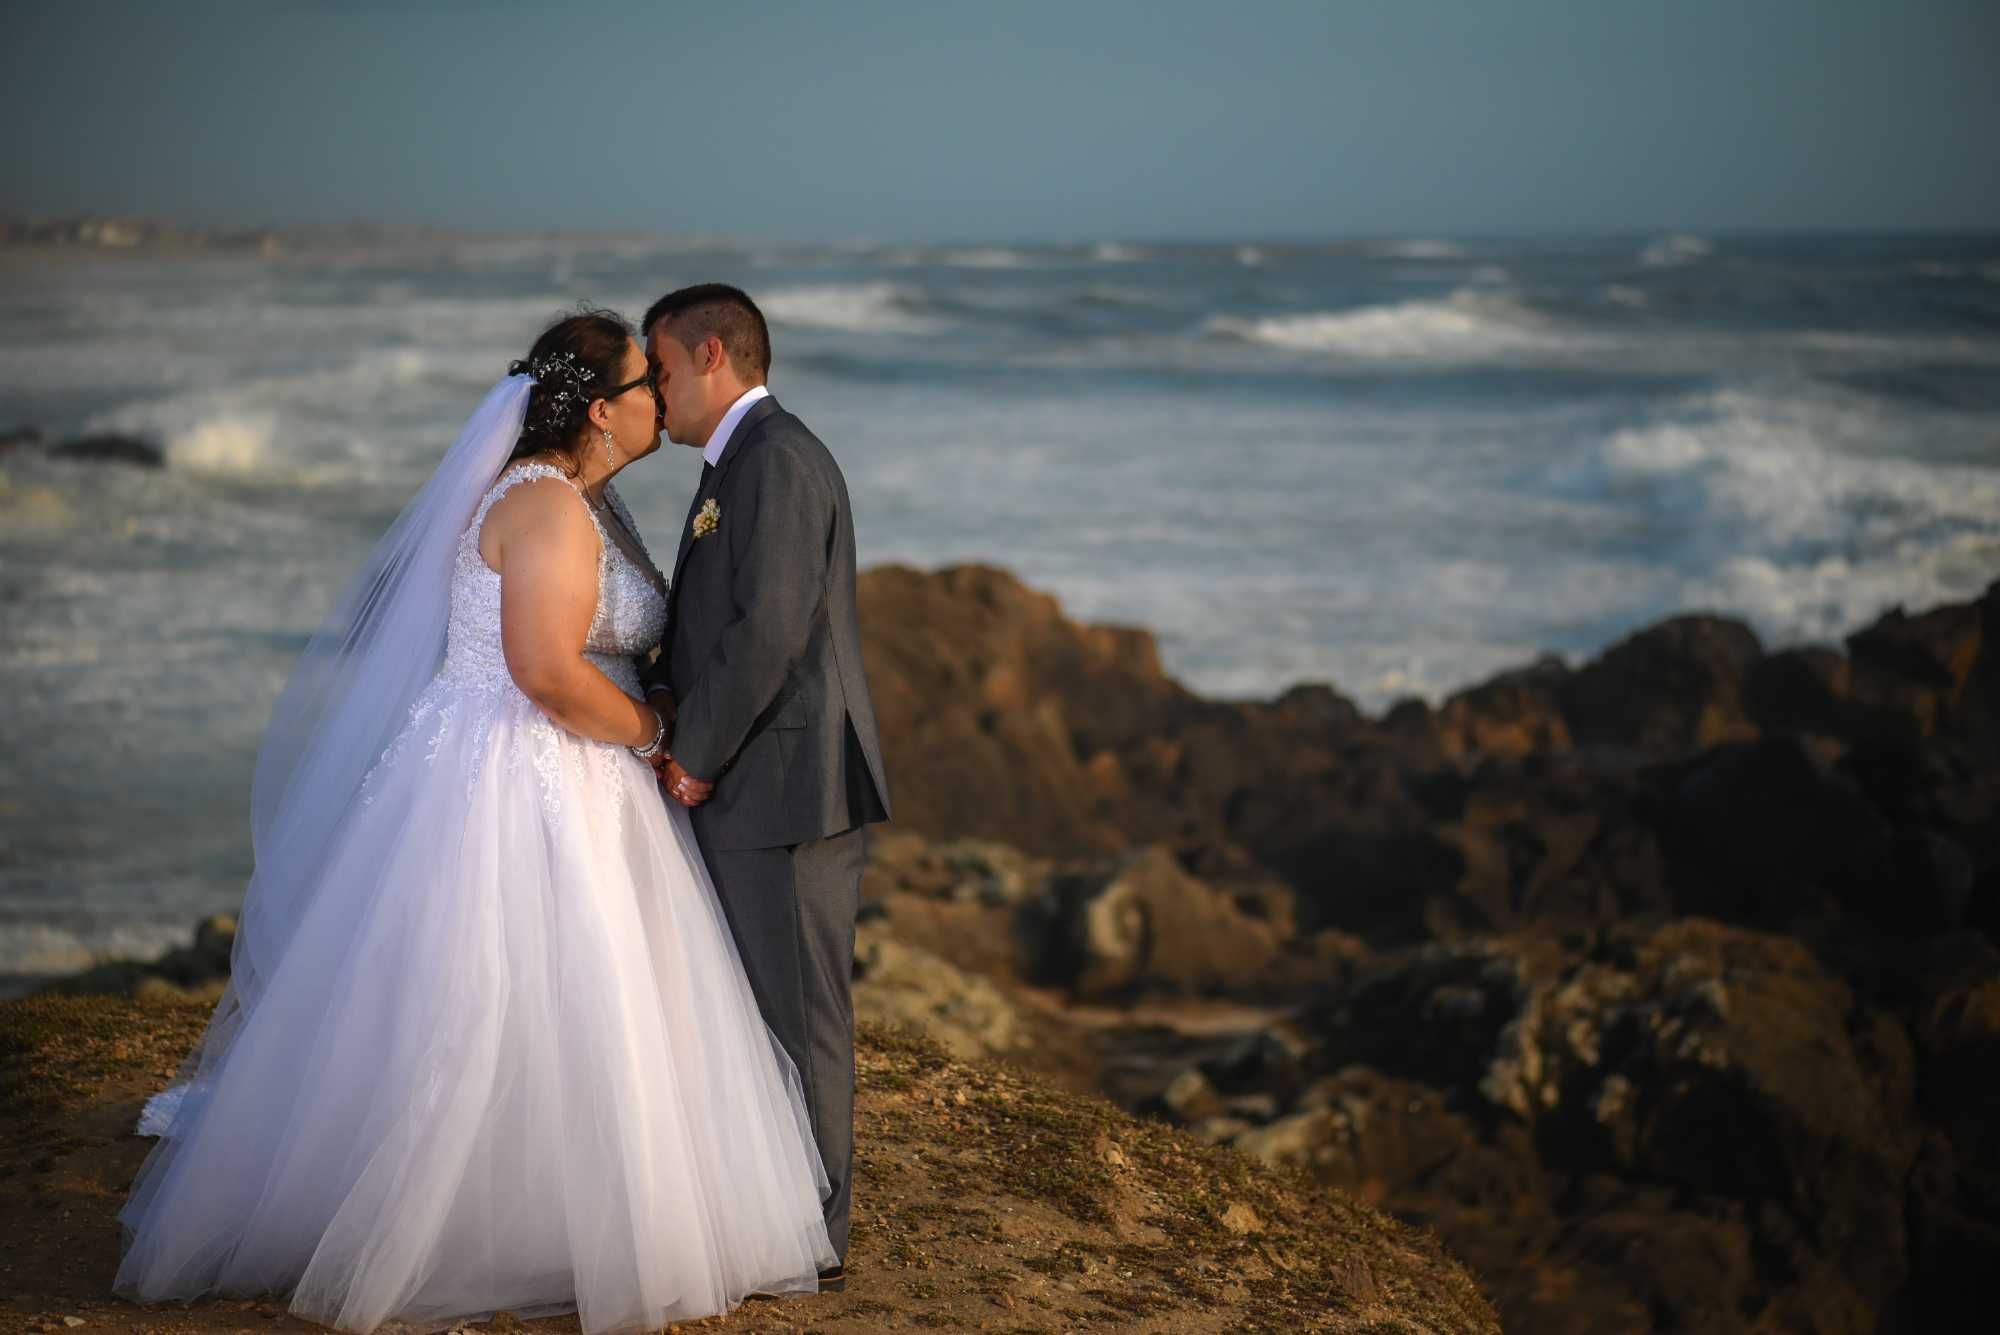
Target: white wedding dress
x: 509, y: 1058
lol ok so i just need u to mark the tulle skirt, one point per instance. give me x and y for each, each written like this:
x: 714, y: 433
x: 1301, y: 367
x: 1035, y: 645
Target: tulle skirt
x: 510, y: 1060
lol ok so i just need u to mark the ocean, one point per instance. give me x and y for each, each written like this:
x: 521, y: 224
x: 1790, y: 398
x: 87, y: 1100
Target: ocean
x: 1395, y: 466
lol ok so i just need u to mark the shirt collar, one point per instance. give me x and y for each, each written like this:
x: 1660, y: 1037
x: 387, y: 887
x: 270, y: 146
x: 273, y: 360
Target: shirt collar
x: 719, y: 441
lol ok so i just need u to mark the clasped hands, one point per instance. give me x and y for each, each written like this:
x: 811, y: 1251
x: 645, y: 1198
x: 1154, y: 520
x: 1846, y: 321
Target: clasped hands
x: 680, y: 785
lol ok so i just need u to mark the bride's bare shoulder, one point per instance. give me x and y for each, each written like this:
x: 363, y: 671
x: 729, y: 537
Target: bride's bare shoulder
x: 542, y: 511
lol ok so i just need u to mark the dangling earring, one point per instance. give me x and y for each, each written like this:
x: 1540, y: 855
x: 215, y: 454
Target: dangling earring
x: 610, y: 454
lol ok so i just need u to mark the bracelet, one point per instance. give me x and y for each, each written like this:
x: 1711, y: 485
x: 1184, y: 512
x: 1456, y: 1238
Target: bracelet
x: 654, y: 747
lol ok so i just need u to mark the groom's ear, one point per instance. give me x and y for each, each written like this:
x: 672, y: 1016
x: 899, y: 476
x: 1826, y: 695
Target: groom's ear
x: 713, y: 354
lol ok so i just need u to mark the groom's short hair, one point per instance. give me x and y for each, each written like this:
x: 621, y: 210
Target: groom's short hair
x: 693, y: 314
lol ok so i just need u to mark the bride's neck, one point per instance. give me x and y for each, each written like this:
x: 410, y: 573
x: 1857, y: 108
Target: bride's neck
x: 588, y: 470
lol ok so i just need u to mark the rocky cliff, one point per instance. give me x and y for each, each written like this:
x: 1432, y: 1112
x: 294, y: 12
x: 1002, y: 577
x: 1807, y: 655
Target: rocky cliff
x: 1665, y: 986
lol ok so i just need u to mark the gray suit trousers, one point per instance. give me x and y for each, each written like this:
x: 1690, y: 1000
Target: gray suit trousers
x: 792, y: 912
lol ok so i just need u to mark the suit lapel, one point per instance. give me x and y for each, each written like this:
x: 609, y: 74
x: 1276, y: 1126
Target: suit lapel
x: 744, y: 436
x: 687, y: 529
x: 739, y: 440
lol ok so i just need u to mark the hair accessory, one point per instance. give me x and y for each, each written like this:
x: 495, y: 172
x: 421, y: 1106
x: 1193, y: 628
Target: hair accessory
x: 561, y: 380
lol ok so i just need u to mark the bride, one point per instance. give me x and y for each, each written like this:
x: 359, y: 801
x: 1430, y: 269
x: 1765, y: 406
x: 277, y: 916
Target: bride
x: 487, y: 1042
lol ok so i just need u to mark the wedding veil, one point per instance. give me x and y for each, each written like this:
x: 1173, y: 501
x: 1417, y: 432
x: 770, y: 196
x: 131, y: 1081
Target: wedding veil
x: 344, y: 703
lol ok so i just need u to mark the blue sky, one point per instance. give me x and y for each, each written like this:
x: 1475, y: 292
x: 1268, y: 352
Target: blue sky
x: 1013, y: 121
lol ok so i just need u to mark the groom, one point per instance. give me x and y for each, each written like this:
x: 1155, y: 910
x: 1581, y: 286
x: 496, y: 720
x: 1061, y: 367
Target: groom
x: 774, y: 747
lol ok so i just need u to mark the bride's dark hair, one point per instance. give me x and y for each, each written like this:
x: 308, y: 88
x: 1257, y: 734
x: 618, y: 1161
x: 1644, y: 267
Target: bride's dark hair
x: 574, y: 358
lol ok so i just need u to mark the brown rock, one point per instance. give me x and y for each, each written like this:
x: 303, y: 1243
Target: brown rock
x: 1670, y: 688
x: 1760, y: 832
x: 1005, y: 721
x: 1240, y: 1218
x: 1514, y: 714
x: 1695, y: 1060
x: 1189, y: 1097
x: 980, y: 682
x: 1150, y: 924
x: 1931, y: 672
x: 1807, y: 690
x: 112, y: 447
x: 902, y: 986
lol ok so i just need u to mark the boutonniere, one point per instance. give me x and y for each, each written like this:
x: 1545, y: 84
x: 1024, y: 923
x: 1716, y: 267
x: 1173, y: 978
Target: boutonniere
x: 708, y: 518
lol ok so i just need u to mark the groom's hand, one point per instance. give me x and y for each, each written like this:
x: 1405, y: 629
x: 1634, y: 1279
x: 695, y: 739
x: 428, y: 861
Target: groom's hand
x: 683, y: 787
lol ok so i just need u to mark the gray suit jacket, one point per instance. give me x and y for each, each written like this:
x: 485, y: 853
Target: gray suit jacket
x: 763, y: 646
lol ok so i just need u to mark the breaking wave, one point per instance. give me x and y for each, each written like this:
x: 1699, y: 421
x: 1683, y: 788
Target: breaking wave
x: 870, y: 308
x: 1469, y: 325
x: 1675, y: 248
x: 1825, y: 529
x: 1416, y: 249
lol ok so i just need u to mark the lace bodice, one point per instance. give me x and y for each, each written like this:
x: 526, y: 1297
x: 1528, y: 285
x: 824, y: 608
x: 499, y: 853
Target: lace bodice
x: 631, y: 611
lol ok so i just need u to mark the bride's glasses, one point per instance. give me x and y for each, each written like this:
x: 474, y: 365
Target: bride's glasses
x: 616, y: 390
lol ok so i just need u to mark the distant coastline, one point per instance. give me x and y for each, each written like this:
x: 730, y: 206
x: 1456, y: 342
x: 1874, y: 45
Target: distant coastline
x: 98, y: 235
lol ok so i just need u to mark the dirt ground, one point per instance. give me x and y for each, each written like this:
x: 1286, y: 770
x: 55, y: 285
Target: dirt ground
x: 984, y: 1200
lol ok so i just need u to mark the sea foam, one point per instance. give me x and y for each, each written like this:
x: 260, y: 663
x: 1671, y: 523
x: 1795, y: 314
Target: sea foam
x: 1416, y: 248
x: 35, y: 950
x: 1675, y: 248
x: 867, y: 308
x: 1469, y: 325
x: 225, y: 445
x: 1806, y: 510
x: 988, y: 257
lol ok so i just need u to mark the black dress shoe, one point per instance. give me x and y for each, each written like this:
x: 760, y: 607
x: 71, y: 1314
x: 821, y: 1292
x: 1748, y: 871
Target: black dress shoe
x: 833, y: 1280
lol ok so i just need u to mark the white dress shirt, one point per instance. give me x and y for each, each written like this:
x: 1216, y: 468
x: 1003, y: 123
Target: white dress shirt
x: 718, y: 443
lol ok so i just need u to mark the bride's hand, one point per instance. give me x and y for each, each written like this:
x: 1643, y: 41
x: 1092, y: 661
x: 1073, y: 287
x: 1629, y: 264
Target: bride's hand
x: 684, y: 787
